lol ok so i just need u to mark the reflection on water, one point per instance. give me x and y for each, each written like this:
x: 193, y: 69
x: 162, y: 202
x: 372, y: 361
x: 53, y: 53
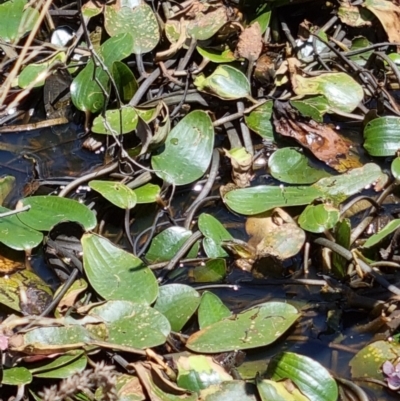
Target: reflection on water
x: 45, y: 153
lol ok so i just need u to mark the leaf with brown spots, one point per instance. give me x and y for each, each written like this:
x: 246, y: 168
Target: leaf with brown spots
x: 320, y: 139
x: 388, y: 14
x: 250, y: 42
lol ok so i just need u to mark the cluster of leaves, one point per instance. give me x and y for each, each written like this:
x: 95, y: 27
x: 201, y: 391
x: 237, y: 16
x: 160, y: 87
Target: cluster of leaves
x: 130, y: 313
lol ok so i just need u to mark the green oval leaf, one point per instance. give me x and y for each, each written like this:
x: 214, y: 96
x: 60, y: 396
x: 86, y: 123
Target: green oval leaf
x: 319, y: 218
x: 86, y: 94
x: 255, y: 327
x: 259, y: 199
x: 226, y: 82
x: 115, y: 192
x: 116, y: 274
x: 133, y: 325
x: 125, y: 81
x: 188, y: 150
x: 165, y: 245
x: 16, y: 20
x: 211, y: 310
x: 340, y: 89
x: 16, y: 376
x: 259, y: 120
x: 140, y: 22
x: 314, y: 107
x: 382, y: 136
x: 125, y: 118
x: 16, y: 234
x: 311, y: 378
x: 290, y: 166
x: 147, y: 193
x: 47, y: 211
x: 215, y: 233
x: 177, y: 302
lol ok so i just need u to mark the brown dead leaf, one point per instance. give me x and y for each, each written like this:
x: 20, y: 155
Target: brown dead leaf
x: 321, y: 140
x: 388, y: 14
x: 250, y: 42
x: 264, y: 71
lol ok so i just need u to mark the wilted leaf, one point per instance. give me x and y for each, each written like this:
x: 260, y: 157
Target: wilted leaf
x: 388, y: 14
x: 342, y: 91
x: 250, y: 42
x: 321, y: 140
x: 207, y: 24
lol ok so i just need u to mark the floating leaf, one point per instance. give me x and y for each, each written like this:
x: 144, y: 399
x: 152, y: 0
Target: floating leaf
x: 205, y: 25
x: 259, y: 120
x: 140, y: 22
x: 115, y: 192
x: 62, y: 367
x: 16, y: 234
x: 197, y: 372
x: 213, y: 270
x: 369, y: 360
x: 387, y: 230
x: 16, y: 376
x: 147, y: 193
x: 216, y: 56
x: 314, y: 107
x: 275, y: 234
x: 319, y: 218
x: 6, y: 185
x: 278, y: 391
x: 214, y: 233
x: 125, y: 118
x: 16, y: 20
x: 133, y: 325
x: 86, y: 94
x: 342, y: 91
x: 382, y: 136
x: 165, y: 245
x: 211, y: 310
x: 177, y: 302
x: 259, y: 199
x: 255, y: 327
x: 47, y: 211
x: 188, y: 150
x: 342, y: 186
x: 116, y: 274
x: 293, y: 167
x: 226, y: 82
x: 37, y: 71
x: 313, y: 380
